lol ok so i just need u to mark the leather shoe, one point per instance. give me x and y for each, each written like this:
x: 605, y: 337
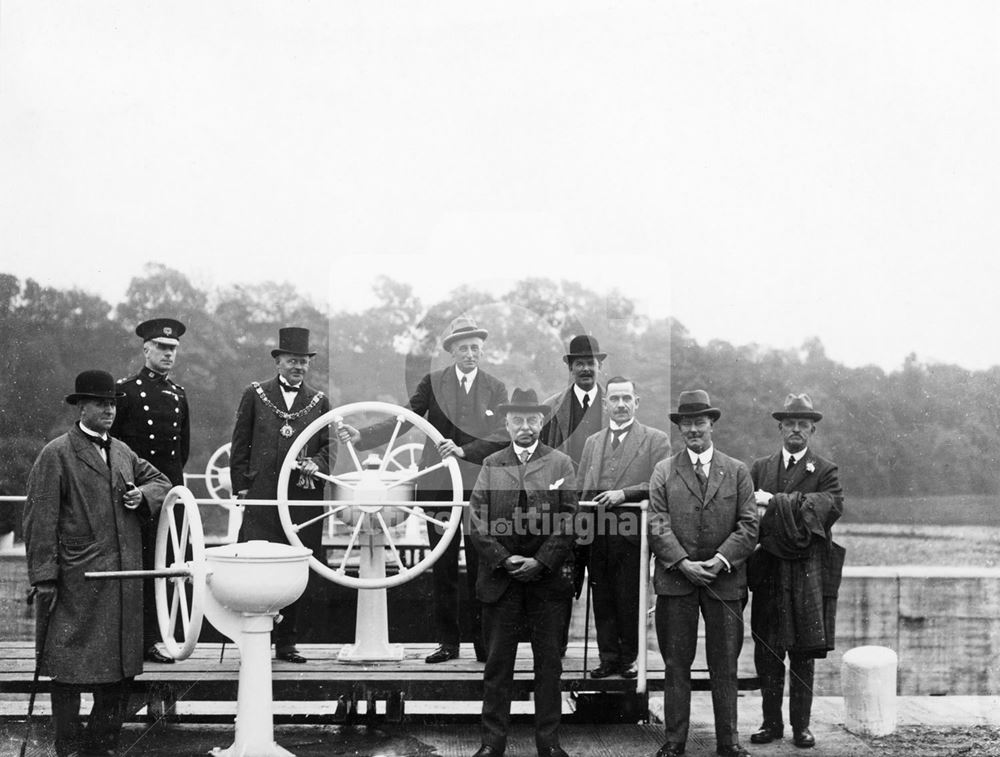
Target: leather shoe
x: 670, y: 749
x: 480, y: 653
x: 767, y: 733
x: 732, y: 750
x: 152, y: 654
x: 552, y: 751
x: 487, y: 751
x: 289, y: 655
x: 444, y: 653
x: 605, y: 670
x: 631, y: 670
x: 802, y: 737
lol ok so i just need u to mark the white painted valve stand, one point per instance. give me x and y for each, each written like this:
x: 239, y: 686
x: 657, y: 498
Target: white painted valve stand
x: 868, y: 680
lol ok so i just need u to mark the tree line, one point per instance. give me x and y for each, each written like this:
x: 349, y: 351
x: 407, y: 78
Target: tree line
x: 924, y: 429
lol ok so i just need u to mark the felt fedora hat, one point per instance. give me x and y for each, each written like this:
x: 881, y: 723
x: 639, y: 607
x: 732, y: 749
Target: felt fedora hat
x: 694, y: 402
x: 797, y: 406
x: 94, y: 385
x: 292, y: 340
x: 523, y: 401
x: 164, y: 330
x: 463, y: 327
x: 583, y: 345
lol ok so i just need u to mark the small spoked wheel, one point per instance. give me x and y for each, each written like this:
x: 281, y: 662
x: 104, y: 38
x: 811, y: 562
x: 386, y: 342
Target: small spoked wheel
x: 378, y: 495
x: 180, y: 600
x: 217, y: 479
x: 406, y: 457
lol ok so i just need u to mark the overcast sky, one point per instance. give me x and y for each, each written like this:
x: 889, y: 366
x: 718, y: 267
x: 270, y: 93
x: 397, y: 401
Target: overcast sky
x: 765, y: 172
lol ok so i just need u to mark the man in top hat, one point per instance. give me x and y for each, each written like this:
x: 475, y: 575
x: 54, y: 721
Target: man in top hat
x: 703, y: 527
x: 795, y: 571
x: 522, y: 512
x: 461, y: 402
x: 577, y: 412
x: 153, y: 420
x: 88, y: 495
x: 616, y: 465
x: 270, y: 416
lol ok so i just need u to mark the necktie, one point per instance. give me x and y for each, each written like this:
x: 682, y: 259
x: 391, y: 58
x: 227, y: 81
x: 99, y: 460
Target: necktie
x: 616, y: 437
x: 791, y: 463
x: 702, y: 478
x: 102, y: 444
x: 525, y: 454
x: 465, y: 384
x: 289, y: 388
x: 586, y: 402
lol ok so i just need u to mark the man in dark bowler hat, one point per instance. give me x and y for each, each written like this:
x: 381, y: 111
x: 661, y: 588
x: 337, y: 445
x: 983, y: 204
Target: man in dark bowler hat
x: 577, y: 412
x: 461, y: 402
x: 271, y: 414
x: 702, y: 529
x: 88, y: 495
x: 522, y: 512
x: 795, y: 571
x: 616, y: 465
x: 153, y: 420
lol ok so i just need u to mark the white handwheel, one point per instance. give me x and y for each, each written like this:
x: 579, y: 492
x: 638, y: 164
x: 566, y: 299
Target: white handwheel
x: 405, y: 457
x: 180, y: 599
x: 217, y: 479
x: 370, y: 515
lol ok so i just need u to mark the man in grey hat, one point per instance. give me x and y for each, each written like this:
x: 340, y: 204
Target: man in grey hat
x: 795, y: 571
x: 88, y: 495
x: 702, y: 529
x: 461, y: 402
x: 270, y: 416
x: 153, y: 420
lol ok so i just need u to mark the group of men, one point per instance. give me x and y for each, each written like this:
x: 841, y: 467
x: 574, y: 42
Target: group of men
x: 526, y: 466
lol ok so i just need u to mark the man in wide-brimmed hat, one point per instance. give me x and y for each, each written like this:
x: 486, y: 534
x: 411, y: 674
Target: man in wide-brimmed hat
x: 153, y: 420
x: 703, y: 527
x: 461, y: 402
x: 800, y: 498
x: 521, y: 513
x: 270, y: 416
x: 88, y: 495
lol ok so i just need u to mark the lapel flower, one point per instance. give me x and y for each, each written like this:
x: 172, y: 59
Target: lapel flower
x: 810, y: 467
x: 489, y: 413
x: 557, y: 484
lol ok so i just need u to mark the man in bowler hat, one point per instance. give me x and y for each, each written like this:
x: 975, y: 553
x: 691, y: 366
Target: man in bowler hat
x: 795, y: 571
x: 88, y: 496
x: 521, y: 523
x: 702, y: 529
x: 270, y: 416
x: 153, y: 420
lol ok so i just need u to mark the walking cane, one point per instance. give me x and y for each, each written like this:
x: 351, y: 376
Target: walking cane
x: 32, y: 595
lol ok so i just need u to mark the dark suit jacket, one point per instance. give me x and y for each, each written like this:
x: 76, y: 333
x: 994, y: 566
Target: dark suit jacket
x: 556, y: 432
x: 435, y: 399
x: 642, y: 448
x: 497, y: 527
x: 683, y: 523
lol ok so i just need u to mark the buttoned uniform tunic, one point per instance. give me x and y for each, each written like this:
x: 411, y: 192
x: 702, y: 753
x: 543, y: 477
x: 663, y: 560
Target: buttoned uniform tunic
x: 153, y: 420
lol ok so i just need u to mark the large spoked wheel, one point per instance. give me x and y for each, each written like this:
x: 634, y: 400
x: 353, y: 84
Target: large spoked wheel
x: 180, y: 600
x: 371, y: 515
x: 217, y: 479
x: 406, y: 457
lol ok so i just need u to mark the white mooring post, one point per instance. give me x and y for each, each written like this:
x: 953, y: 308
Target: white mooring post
x: 868, y: 680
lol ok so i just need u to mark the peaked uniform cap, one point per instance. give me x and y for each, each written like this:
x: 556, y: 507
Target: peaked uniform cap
x: 164, y: 330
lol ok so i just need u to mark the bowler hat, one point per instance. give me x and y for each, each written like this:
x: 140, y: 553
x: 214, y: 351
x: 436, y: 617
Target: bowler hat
x: 523, y: 401
x: 797, y: 406
x: 292, y: 340
x: 584, y: 345
x: 95, y: 385
x: 165, y: 330
x: 694, y: 402
x: 463, y: 327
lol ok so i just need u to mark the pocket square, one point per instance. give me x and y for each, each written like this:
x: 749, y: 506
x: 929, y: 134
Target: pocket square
x: 557, y: 484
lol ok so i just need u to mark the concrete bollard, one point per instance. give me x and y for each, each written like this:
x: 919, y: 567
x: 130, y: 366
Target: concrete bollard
x: 868, y: 680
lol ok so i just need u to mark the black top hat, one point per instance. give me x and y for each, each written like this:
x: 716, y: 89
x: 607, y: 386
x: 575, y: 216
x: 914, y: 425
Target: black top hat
x: 584, y: 345
x: 523, y: 401
x: 95, y: 385
x: 462, y: 328
x: 694, y: 402
x: 292, y: 340
x: 797, y: 406
x: 165, y: 330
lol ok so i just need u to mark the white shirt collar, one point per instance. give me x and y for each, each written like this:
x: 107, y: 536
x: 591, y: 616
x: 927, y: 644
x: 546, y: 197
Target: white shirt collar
x: 580, y: 394
x: 626, y: 426
x: 469, y: 377
x: 785, y: 454
x: 282, y: 383
x: 88, y: 432
x: 518, y: 449
x: 705, y: 458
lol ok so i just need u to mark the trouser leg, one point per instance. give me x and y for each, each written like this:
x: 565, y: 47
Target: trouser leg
x: 295, y: 617
x: 105, y: 723
x: 544, y: 618
x: 475, y: 606
x: 800, y: 690
x: 723, y: 642
x: 444, y: 582
x: 677, y: 636
x: 770, y: 664
x: 626, y: 585
x: 503, y: 619
x: 604, y: 603
x: 65, y: 717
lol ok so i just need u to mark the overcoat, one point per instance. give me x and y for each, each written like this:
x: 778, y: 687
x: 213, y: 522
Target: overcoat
x: 75, y: 521
x: 685, y: 523
x: 556, y: 432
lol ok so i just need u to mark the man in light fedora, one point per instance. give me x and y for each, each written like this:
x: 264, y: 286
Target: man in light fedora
x: 88, y: 496
x: 521, y: 513
x: 795, y: 571
x: 702, y: 529
x: 270, y: 416
x: 462, y: 402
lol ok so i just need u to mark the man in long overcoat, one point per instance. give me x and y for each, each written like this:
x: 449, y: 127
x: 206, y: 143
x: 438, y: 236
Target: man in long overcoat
x: 702, y: 529
x: 87, y: 496
x: 795, y: 572
x: 522, y: 511
x: 270, y: 416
